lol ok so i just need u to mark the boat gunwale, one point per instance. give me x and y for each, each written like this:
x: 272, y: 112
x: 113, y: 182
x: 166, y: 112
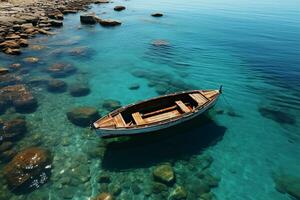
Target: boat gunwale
x: 184, y: 115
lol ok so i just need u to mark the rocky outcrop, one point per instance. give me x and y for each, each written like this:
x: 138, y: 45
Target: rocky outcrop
x: 83, y: 116
x: 156, y: 14
x: 104, y: 196
x: 88, y: 19
x: 13, y: 129
x: 119, y: 8
x: 28, y: 169
x: 164, y: 173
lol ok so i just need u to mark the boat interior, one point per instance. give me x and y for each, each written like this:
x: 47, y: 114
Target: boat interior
x: 156, y: 110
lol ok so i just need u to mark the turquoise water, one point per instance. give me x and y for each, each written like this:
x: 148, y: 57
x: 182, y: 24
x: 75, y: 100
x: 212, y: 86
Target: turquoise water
x: 251, y: 48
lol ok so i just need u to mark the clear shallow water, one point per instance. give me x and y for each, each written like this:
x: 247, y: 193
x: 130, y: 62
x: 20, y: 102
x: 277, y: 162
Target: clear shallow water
x: 250, y: 48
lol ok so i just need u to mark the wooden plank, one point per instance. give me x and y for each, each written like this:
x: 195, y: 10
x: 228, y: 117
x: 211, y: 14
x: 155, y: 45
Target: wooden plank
x: 138, y: 118
x: 182, y: 106
x: 119, y: 121
x: 159, y: 111
x: 163, y: 116
x: 198, y: 98
x: 210, y: 94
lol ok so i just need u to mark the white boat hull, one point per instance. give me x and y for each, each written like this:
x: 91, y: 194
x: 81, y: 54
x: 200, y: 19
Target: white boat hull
x: 106, y: 133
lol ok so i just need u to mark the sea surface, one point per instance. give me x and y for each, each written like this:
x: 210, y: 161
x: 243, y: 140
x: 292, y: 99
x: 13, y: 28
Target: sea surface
x: 252, y: 48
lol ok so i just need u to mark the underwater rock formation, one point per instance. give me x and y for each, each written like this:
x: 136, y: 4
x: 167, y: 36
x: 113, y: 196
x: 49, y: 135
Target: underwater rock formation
x: 179, y: 193
x: 56, y: 85
x: 78, y: 90
x: 134, y: 86
x: 160, y: 43
x: 277, y: 115
x: 83, y: 116
x: 60, y: 70
x: 288, y: 184
x: 3, y: 70
x: 164, y: 173
x: 13, y: 129
x: 29, y: 169
x: 19, y: 96
x: 31, y: 59
x: 104, y: 196
x: 110, y: 104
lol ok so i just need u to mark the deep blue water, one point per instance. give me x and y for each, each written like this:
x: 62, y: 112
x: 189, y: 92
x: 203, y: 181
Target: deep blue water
x: 251, y: 48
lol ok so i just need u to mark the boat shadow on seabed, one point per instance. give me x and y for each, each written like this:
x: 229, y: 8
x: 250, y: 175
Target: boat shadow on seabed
x: 172, y: 144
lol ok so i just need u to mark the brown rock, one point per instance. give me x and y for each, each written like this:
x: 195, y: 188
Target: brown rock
x: 109, y: 22
x: 23, y: 42
x: 10, y: 44
x: 28, y: 168
x: 101, y: 1
x: 104, y: 196
x: 12, y: 51
x: 31, y: 59
x: 43, y: 31
x: 88, y: 19
x: 164, y: 173
x: 83, y: 116
x: 3, y: 70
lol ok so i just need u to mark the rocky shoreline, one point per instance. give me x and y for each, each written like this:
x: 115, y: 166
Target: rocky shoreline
x: 19, y: 22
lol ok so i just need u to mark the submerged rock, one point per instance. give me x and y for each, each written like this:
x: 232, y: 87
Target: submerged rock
x: 104, y: 196
x: 31, y: 59
x: 134, y: 86
x: 277, y: 115
x: 156, y: 14
x: 104, y: 178
x: 56, y: 85
x: 119, y: 8
x: 56, y: 23
x: 160, y: 43
x: 61, y: 70
x: 288, y: 184
x: 20, y: 97
x: 6, y: 146
x: 3, y: 70
x: 29, y: 168
x: 78, y: 90
x: 101, y: 1
x: 12, y: 51
x: 13, y: 129
x: 83, y: 116
x: 179, y: 193
x: 164, y: 173
x: 110, y: 104
x: 159, y: 187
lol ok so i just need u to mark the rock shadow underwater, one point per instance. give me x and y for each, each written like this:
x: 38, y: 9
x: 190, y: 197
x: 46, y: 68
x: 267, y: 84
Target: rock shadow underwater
x: 172, y: 144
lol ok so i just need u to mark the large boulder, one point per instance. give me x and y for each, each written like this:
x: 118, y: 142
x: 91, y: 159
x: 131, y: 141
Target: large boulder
x: 288, y: 184
x: 28, y: 169
x: 83, y: 116
x: 88, y: 19
x: 10, y: 44
x: 61, y: 70
x: 164, y: 173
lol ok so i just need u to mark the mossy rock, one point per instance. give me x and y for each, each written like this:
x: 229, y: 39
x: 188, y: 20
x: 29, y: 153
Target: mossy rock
x: 164, y: 173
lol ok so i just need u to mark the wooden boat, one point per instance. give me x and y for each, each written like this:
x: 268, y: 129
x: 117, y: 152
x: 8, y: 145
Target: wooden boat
x: 156, y: 113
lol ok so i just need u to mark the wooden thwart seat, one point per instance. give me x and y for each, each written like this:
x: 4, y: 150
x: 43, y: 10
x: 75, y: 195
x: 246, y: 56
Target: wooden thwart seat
x: 163, y: 116
x: 138, y: 118
x: 182, y: 106
x: 199, y: 98
x: 119, y: 121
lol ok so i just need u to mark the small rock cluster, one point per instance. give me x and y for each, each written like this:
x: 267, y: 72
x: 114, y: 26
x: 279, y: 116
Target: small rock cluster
x: 25, y: 20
